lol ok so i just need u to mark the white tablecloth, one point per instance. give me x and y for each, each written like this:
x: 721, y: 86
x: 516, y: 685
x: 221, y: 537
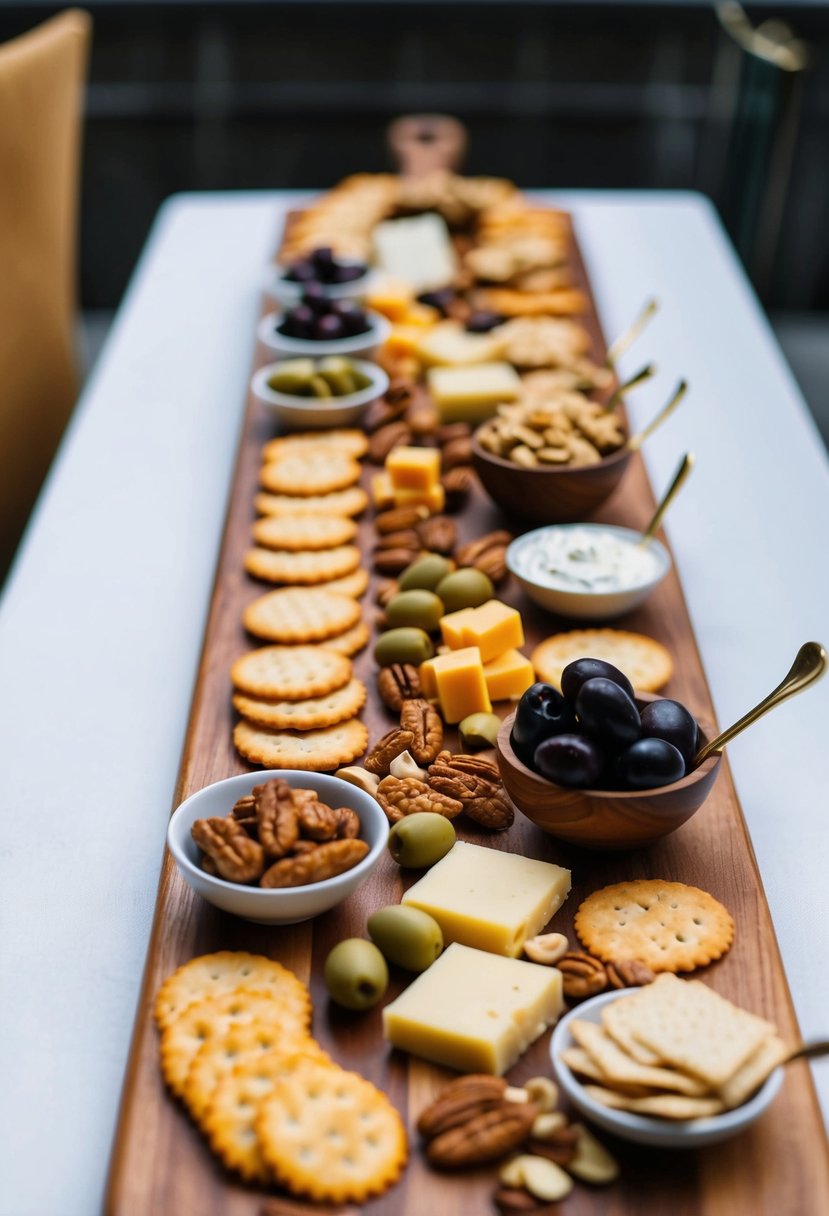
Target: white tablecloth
x: 102, y: 621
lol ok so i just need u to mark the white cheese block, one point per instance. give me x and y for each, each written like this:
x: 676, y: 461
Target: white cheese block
x: 449, y: 345
x: 474, y: 1011
x: 470, y: 394
x: 489, y: 899
x: 418, y: 250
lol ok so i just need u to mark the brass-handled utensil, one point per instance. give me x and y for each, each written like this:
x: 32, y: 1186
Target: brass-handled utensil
x: 635, y: 442
x: 685, y: 466
x: 618, y: 348
x: 639, y: 377
x: 809, y: 1051
x: 809, y: 665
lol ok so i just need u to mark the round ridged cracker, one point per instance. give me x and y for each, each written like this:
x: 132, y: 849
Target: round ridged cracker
x: 215, y: 1015
x: 344, y: 439
x: 352, y: 501
x: 312, y: 471
x: 313, y: 750
x: 305, y: 568
x: 218, y: 973
x: 645, y: 662
x: 349, y: 642
x: 303, y: 531
x: 230, y: 1120
x: 337, y: 706
x: 330, y: 1135
x: 292, y: 614
x: 354, y: 584
x: 290, y: 673
x: 667, y: 925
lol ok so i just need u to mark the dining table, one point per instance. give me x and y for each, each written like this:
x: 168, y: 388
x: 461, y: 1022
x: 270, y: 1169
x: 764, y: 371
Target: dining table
x: 102, y: 618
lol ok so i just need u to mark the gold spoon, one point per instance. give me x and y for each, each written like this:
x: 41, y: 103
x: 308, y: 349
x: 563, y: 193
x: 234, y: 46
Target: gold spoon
x: 639, y: 377
x: 808, y: 1051
x: 808, y: 666
x: 685, y: 466
x: 618, y: 348
x: 635, y: 442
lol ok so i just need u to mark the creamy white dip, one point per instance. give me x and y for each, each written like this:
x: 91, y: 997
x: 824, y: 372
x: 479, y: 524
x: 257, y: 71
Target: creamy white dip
x: 586, y: 559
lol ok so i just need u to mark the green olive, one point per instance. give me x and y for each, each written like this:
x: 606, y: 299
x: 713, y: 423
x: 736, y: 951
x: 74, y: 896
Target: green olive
x: 425, y: 573
x: 418, y: 841
x: 320, y: 387
x: 405, y: 645
x: 407, y: 936
x: 420, y: 608
x: 293, y: 376
x: 356, y: 974
x: 479, y: 730
x: 466, y: 588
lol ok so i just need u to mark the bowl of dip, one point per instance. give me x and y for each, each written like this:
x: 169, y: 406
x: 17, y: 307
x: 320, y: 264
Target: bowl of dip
x: 587, y: 571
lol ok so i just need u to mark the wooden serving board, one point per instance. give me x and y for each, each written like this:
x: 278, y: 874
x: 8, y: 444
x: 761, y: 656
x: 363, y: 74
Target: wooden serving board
x: 161, y: 1165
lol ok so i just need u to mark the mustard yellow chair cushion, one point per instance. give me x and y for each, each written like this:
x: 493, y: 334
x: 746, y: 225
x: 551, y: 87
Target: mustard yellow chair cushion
x: 41, y: 91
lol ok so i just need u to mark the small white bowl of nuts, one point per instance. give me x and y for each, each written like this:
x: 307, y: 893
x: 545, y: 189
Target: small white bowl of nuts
x: 277, y: 847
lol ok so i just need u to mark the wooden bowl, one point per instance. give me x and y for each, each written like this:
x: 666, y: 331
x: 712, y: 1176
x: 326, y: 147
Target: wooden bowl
x: 548, y: 495
x: 604, y: 819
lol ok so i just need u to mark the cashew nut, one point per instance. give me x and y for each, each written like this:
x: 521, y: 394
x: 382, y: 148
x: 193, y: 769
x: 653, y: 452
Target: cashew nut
x: 547, y: 948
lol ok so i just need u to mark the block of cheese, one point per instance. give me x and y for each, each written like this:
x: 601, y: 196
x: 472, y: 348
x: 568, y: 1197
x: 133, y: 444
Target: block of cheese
x: 428, y: 683
x: 391, y: 297
x: 449, y: 345
x: 452, y: 627
x: 473, y: 1011
x: 413, y: 468
x: 382, y: 491
x: 470, y: 394
x: 494, y: 627
x: 417, y: 249
x: 460, y: 684
x: 433, y: 498
x: 509, y: 676
x: 490, y: 899
x: 422, y: 316
x: 403, y: 340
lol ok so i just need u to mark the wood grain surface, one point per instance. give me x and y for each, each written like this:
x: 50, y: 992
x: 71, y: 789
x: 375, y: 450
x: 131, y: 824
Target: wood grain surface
x: 161, y: 1165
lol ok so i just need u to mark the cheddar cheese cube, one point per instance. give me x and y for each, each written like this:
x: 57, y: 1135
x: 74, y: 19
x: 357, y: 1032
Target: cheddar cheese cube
x: 470, y: 394
x: 460, y: 684
x: 392, y: 297
x: 403, y: 340
x: 494, y: 628
x: 413, y: 468
x: 434, y: 498
x: 488, y: 898
x: 382, y: 491
x: 474, y: 1012
x: 452, y: 627
x: 509, y: 676
x: 428, y: 683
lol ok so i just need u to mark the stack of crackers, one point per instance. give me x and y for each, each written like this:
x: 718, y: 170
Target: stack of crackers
x: 236, y: 1048
x: 298, y: 698
x: 675, y: 1050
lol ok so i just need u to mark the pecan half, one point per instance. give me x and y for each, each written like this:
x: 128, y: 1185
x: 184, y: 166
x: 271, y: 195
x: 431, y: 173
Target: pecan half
x: 452, y: 1106
x: 387, y: 589
x: 452, y: 430
x: 493, y: 811
x: 400, y: 392
x: 397, y: 683
x: 559, y: 1147
x: 423, y: 419
x: 348, y: 823
x: 426, y: 725
x: 235, y: 855
x: 244, y: 808
x: 276, y: 816
x: 583, y: 975
x: 395, y: 561
x: 325, y: 861
x: 468, y: 554
x: 399, y: 517
x: 456, y: 452
x: 509, y: 1199
x: 485, y: 1137
x: 476, y: 766
x: 385, y: 439
x: 317, y: 821
x: 404, y: 538
x: 438, y: 534
x: 389, y: 408
x: 401, y: 796
x: 386, y: 748
x: 628, y: 973
x: 457, y: 485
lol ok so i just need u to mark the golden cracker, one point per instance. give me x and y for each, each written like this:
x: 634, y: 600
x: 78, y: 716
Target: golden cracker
x: 290, y: 673
x: 667, y: 925
x: 344, y: 439
x: 337, y: 706
x: 645, y: 662
x: 315, y: 471
x: 305, y: 568
x: 330, y: 1135
x: 619, y: 1020
x: 218, y: 973
x: 664, y: 1106
x: 312, y: 750
x: 294, y: 615
x: 751, y: 1074
x: 303, y: 531
x: 355, y: 584
x: 617, y: 1068
x: 349, y: 642
x: 352, y: 501
x: 583, y: 1065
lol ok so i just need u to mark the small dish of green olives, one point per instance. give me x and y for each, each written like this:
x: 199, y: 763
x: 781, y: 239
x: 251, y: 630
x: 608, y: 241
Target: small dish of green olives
x: 278, y: 905
x: 311, y: 394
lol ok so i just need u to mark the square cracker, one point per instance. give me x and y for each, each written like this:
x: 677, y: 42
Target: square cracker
x: 665, y: 1106
x: 619, y: 1068
x: 693, y: 1028
x: 751, y: 1075
x: 579, y: 1062
x: 619, y: 1020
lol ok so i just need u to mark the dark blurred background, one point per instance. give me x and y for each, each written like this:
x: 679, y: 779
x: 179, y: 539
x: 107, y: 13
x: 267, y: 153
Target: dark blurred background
x: 230, y: 94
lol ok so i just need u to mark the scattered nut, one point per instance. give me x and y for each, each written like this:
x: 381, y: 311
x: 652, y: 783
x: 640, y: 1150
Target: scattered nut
x: 390, y: 436
x: 394, y: 561
x: 384, y: 751
x: 514, y: 1093
x: 546, y: 948
x: 457, y: 484
x: 548, y: 1123
x: 405, y: 765
x: 509, y: 1199
x: 399, y: 517
x: 546, y: 1180
x: 592, y: 1162
x: 397, y: 683
x: 583, y: 975
x: 628, y: 973
x: 360, y: 777
x: 543, y: 1091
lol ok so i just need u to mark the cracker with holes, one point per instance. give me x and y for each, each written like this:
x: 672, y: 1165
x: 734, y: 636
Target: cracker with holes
x: 352, y: 501
x: 617, y: 1068
x: 337, y: 706
x: 290, y: 673
x: 303, y: 531
x: 222, y: 972
x: 295, y: 615
x: 309, y: 472
x: 330, y: 1135
x: 667, y: 925
x: 341, y: 439
x: 304, y: 568
x: 354, y: 584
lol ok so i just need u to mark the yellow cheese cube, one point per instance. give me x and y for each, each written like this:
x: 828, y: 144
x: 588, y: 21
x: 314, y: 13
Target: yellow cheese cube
x: 413, y: 468
x: 391, y: 297
x: 382, y: 491
x: 473, y: 1011
x: 434, y: 498
x: 403, y: 340
x: 490, y: 899
x: 428, y: 683
x: 422, y: 316
x: 470, y: 394
x: 461, y: 688
x: 495, y: 628
x: 452, y: 627
x: 509, y: 676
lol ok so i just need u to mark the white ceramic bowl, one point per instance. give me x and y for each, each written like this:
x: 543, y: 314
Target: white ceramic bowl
x: 287, y: 292
x: 642, y: 1129
x: 281, y: 906
x: 361, y: 344
x: 315, y: 413
x: 587, y: 605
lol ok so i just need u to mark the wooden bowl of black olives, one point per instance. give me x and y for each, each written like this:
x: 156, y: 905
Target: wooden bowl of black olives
x: 601, y: 766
